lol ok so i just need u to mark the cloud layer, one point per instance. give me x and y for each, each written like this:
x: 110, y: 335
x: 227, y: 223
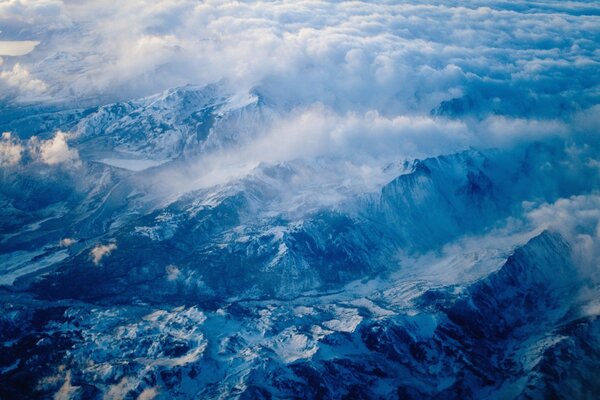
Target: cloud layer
x: 412, y: 57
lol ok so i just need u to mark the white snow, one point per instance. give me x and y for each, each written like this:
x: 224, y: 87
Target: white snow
x: 238, y: 100
x: 135, y: 165
x: 20, y: 263
x: 292, y: 346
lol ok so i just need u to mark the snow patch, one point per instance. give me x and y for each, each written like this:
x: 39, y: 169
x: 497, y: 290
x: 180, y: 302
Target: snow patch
x: 132, y: 164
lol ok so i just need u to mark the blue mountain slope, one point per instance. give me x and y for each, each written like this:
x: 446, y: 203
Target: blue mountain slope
x: 473, y: 347
x: 243, y: 229
x: 498, y: 337
x: 170, y: 125
x: 288, y: 279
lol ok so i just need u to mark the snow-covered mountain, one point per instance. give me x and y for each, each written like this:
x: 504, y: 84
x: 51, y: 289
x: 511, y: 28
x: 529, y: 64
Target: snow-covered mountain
x: 173, y: 124
x: 152, y: 262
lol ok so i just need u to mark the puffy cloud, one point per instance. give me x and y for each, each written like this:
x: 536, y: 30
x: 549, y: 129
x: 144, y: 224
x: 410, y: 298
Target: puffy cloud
x: 102, y: 250
x: 21, y: 13
x: 56, y: 150
x: 66, y: 242
x: 53, y: 151
x: 173, y: 272
x: 373, y: 79
x: 396, y: 58
x: 11, y: 150
x: 578, y: 220
x: 18, y: 80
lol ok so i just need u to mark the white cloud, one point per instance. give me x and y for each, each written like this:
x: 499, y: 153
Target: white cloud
x: 11, y: 150
x: 320, y: 131
x: 100, y: 251
x: 500, y: 130
x: 56, y: 150
x: 46, y: 13
x: 148, y: 394
x: 67, y: 242
x: 19, y: 80
x: 53, y: 151
x: 578, y: 219
x: 396, y: 58
x: 173, y: 273
x: 365, y: 140
x: 354, y: 79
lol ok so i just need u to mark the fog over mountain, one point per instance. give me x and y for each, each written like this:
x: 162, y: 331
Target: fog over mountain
x: 299, y: 200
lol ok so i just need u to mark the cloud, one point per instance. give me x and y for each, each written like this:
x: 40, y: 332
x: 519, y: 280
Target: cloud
x: 102, y: 250
x: 173, y: 272
x: 11, y: 150
x: 148, y: 394
x: 578, y: 220
x: 18, y: 80
x: 66, y: 242
x: 54, y: 151
x: 23, y: 13
x: 365, y: 141
x: 119, y: 390
x: 369, y: 80
x: 397, y: 58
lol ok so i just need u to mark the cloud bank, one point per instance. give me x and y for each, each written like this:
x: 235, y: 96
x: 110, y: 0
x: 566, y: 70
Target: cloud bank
x: 413, y: 57
x: 366, y: 141
x: 18, y: 82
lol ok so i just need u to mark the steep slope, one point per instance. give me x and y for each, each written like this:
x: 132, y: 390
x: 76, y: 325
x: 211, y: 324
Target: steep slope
x: 135, y: 270
x: 291, y: 227
x: 474, y: 191
x: 169, y: 125
x: 516, y: 332
x: 479, y: 343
